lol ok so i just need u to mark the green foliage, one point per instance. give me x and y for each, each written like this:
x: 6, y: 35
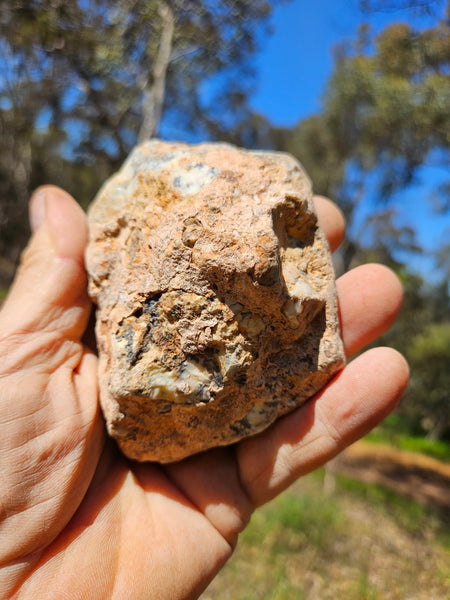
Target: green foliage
x: 391, y: 433
x: 395, y: 100
x: 91, y: 62
x: 366, y: 534
x: 311, y: 521
x: 407, y: 514
x: 385, y: 113
x: 291, y: 526
x: 428, y: 399
x: 432, y: 345
x: 315, y: 146
x: 421, y: 333
x: 78, y: 77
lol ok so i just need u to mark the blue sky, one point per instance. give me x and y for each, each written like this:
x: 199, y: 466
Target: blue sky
x: 293, y: 67
x: 296, y: 60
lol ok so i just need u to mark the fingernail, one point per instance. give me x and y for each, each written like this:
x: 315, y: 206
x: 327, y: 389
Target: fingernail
x: 38, y: 209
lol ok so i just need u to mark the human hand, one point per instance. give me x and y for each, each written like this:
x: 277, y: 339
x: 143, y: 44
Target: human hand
x: 79, y: 521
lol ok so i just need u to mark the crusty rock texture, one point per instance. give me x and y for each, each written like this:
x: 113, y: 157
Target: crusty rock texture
x: 216, y: 299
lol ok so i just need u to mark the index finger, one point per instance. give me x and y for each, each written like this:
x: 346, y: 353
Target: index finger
x: 331, y: 221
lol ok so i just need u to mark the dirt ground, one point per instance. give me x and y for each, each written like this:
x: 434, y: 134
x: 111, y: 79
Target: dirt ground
x: 424, y: 479
x: 321, y: 541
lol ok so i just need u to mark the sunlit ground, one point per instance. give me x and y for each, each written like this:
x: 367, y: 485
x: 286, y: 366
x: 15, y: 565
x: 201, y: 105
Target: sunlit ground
x: 359, y: 542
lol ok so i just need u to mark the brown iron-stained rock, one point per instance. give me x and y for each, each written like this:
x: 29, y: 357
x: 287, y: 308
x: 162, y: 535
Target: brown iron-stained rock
x: 216, y: 298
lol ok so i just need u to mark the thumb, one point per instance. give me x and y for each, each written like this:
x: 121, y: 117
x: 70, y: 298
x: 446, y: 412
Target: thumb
x: 48, y: 303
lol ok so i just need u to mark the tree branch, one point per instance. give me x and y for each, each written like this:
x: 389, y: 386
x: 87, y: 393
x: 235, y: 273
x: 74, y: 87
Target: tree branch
x: 153, y: 93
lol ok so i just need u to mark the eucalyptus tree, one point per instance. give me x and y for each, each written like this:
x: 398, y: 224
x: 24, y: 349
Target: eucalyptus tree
x: 82, y: 81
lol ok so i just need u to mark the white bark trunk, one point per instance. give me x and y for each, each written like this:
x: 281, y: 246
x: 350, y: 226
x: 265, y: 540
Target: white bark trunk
x: 154, y: 91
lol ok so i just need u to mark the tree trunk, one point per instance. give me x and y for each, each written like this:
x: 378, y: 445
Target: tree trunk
x: 154, y: 90
x: 437, y: 429
x: 329, y: 480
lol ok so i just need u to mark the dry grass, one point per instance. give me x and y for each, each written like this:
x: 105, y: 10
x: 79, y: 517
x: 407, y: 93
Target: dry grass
x: 359, y: 543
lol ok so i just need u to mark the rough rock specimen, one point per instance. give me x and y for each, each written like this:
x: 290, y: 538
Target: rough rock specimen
x: 216, y: 298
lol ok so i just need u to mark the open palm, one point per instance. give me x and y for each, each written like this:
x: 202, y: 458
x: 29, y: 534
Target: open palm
x: 79, y: 521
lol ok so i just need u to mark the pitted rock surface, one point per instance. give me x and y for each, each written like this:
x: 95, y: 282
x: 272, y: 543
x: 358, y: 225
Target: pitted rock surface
x: 216, y: 299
